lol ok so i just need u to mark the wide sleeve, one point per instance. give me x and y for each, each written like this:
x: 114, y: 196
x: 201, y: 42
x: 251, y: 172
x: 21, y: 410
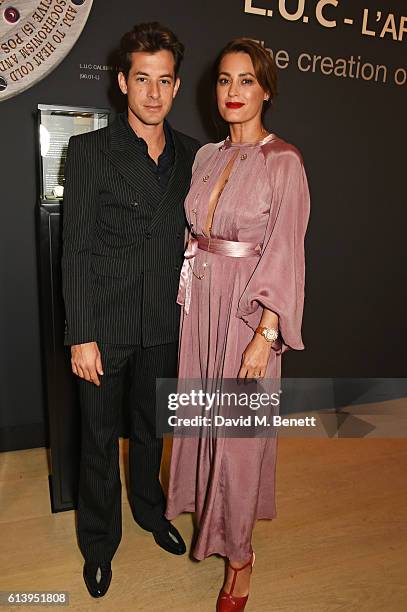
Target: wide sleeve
x: 277, y: 282
x: 79, y: 215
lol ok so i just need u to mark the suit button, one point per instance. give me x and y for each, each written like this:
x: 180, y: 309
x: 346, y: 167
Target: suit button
x: 176, y: 268
x: 178, y: 235
x: 134, y: 203
x: 147, y: 235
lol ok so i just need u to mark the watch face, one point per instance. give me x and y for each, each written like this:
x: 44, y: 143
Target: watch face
x: 269, y: 334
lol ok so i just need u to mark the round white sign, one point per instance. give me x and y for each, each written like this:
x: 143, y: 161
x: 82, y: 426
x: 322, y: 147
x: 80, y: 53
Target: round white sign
x: 35, y: 36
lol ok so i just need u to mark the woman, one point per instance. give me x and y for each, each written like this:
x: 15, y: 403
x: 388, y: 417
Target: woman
x: 242, y: 290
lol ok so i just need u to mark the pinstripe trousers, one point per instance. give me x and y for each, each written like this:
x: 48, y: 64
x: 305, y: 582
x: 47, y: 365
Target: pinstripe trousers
x: 99, y: 521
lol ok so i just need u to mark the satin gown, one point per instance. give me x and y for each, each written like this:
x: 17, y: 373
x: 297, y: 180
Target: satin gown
x: 230, y: 482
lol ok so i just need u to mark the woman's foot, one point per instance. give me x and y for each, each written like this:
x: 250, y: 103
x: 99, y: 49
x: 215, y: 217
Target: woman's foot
x: 235, y: 592
x: 242, y: 583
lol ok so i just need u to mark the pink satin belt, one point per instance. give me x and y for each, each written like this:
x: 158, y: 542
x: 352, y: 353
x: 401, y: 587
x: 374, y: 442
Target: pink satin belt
x: 216, y: 246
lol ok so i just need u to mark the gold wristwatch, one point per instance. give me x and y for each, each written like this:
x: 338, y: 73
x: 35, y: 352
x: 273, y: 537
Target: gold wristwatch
x: 269, y: 333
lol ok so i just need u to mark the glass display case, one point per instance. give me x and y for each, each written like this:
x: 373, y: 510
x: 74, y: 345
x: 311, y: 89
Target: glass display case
x: 56, y: 125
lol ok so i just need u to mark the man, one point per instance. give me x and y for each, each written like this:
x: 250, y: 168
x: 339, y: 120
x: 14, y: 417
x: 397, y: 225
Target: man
x: 123, y: 248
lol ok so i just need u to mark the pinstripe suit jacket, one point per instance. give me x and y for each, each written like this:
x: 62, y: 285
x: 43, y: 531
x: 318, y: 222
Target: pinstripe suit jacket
x: 121, y: 256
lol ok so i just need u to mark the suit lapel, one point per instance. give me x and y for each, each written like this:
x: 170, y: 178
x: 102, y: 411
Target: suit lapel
x: 177, y: 185
x: 128, y: 160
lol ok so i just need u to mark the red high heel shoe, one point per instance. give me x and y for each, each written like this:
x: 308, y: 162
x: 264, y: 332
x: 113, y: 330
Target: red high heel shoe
x: 226, y: 601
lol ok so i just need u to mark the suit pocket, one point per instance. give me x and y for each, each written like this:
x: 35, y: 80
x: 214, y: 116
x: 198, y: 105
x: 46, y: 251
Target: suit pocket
x: 112, y: 267
x: 130, y: 201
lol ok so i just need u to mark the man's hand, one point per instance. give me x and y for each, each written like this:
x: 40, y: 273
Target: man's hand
x: 86, y: 362
x: 255, y: 358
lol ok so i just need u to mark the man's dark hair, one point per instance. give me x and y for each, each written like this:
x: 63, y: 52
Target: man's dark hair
x: 150, y: 38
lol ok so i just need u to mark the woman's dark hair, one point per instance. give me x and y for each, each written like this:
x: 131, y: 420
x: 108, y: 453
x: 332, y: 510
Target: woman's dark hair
x: 148, y: 37
x: 262, y: 60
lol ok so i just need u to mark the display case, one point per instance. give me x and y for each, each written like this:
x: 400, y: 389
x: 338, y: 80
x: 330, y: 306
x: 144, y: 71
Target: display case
x: 56, y: 124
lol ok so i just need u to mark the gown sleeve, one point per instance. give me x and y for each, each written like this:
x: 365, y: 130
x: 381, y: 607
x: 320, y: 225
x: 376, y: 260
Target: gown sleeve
x: 277, y: 282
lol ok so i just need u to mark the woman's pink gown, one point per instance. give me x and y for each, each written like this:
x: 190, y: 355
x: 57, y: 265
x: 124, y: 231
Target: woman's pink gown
x: 230, y: 482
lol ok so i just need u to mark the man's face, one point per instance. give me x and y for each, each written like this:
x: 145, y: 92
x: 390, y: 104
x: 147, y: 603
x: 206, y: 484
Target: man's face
x: 151, y: 85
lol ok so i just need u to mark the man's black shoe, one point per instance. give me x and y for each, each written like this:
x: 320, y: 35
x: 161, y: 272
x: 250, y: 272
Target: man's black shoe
x: 97, y: 577
x: 170, y: 540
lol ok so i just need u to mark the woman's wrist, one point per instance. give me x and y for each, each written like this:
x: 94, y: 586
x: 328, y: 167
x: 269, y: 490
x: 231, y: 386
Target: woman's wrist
x: 269, y: 319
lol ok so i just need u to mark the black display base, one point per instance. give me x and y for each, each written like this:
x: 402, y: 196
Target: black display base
x: 60, y: 385
x: 53, y: 492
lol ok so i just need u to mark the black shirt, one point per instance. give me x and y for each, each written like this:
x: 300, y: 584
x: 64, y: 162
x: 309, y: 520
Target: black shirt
x: 163, y: 168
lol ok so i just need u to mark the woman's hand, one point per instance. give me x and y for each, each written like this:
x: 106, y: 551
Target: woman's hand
x: 255, y: 358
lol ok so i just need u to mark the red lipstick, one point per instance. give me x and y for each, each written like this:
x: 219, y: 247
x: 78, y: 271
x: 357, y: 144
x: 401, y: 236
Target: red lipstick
x: 234, y: 104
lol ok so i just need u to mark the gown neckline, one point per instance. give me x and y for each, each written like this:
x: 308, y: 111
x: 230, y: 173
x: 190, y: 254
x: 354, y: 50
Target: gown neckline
x: 228, y: 143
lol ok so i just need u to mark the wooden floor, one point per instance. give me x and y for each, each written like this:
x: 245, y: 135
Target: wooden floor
x: 339, y: 542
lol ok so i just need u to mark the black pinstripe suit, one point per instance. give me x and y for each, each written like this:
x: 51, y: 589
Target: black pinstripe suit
x: 123, y: 242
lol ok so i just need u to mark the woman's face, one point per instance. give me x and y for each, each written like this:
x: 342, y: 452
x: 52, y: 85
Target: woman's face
x: 239, y: 95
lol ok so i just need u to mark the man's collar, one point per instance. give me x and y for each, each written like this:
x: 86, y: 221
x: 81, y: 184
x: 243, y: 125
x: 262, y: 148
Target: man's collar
x: 121, y: 135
